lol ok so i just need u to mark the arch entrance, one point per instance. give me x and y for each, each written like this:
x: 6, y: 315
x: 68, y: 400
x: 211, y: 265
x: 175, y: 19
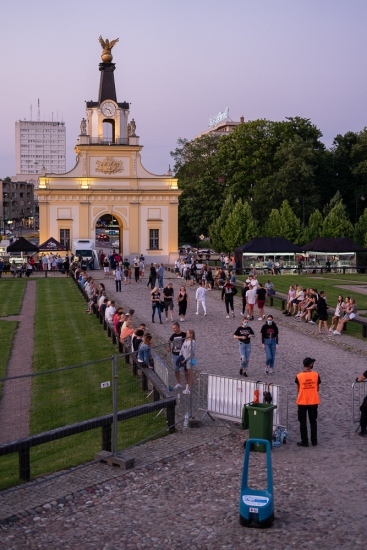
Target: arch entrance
x: 108, y: 235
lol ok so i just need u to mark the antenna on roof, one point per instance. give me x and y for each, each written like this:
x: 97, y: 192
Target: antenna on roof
x: 38, y: 111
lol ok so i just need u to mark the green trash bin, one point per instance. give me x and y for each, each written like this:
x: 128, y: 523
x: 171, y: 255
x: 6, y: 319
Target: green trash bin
x: 260, y: 419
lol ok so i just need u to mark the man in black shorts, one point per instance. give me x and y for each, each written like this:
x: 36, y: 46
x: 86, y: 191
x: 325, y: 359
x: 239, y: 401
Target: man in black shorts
x: 168, y: 294
x: 175, y: 344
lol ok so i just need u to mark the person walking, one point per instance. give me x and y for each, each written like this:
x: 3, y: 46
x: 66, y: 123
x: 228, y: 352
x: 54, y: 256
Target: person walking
x: 261, y: 300
x: 118, y: 278
x: 308, y: 382
x: 269, y: 339
x: 160, y: 274
x: 243, y: 334
x: 168, y: 295
x: 152, y: 276
x: 322, y: 312
x: 188, y: 354
x: 174, y: 346
x: 155, y: 297
x: 182, y: 301
x: 200, y: 298
x: 243, y: 296
x: 228, y: 292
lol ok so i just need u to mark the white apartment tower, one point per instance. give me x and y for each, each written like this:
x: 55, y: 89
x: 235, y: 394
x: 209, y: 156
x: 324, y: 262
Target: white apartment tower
x: 39, y: 145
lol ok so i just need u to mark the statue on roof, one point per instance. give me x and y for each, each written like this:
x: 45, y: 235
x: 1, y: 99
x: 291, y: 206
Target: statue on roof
x: 106, y: 49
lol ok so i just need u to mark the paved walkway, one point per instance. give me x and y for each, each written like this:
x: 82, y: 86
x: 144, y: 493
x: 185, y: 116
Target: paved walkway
x: 184, y: 490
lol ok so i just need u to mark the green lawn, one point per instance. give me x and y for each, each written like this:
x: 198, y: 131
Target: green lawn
x: 65, y: 335
x: 11, y: 296
x: 7, y: 331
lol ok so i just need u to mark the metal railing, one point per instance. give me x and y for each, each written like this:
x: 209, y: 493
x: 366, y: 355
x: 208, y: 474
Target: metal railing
x: 359, y: 392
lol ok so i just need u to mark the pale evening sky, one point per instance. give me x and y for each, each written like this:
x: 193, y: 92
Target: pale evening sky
x: 180, y: 62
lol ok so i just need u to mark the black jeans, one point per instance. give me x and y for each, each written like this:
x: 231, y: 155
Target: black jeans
x: 228, y: 300
x: 312, y: 416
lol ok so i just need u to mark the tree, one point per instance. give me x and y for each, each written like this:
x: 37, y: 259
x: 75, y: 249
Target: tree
x: 360, y: 229
x: 202, y: 194
x: 336, y: 224
x: 333, y: 202
x: 241, y: 226
x: 215, y: 230
x: 284, y: 223
x: 314, y: 227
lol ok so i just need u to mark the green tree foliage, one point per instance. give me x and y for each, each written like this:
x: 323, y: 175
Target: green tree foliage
x: 314, y: 228
x: 336, y: 224
x: 202, y: 196
x: 240, y: 228
x: 215, y: 230
x: 284, y: 223
x: 360, y: 229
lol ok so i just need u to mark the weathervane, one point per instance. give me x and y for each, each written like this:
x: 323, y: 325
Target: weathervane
x: 106, y: 49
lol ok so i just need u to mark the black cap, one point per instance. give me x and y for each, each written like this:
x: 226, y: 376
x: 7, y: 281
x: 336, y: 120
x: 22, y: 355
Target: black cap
x: 308, y: 361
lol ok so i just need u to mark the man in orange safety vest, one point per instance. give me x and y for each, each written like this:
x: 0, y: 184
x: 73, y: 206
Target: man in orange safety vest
x: 308, y: 399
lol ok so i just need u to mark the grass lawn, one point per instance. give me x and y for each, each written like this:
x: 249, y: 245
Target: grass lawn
x: 7, y: 331
x: 65, y: 335
x: 11, y: 296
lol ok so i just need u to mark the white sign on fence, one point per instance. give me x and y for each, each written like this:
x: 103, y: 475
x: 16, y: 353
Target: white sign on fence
x: 105, y: 384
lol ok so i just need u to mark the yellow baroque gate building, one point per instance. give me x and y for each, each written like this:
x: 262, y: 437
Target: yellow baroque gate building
x: 110, y: 182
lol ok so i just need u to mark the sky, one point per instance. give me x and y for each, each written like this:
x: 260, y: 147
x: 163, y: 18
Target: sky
x: 181, y: 62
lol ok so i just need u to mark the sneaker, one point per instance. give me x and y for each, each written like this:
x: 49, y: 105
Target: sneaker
x: 196, y: 313
x: 227, y: 316
x: 336, y: 333
x: 177, y: 387
x: 266, y: 371
x: 271, y: 371
x: 232, y: 313
x: 245, y: 374
x: 297, y: 318
x: 241, y: 372
x: 204, y: 314
x: 186, y: 392
x: 264, y: 316
x: 312, y: 322
x: 260, y: 319
x: 331, y: 330
x: 301, y: 444
x: 241, y: 314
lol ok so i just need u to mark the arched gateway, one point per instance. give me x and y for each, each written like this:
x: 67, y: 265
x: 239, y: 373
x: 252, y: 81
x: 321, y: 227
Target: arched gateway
x: 109, y: 187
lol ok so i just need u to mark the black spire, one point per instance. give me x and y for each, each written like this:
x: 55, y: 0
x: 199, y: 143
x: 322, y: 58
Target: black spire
x: 107, y: 88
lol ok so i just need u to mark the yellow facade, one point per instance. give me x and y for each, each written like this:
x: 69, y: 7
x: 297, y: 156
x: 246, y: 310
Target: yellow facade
x: 109, y: 178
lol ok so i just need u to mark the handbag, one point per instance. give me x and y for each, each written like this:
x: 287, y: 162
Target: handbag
x: 162, y: 305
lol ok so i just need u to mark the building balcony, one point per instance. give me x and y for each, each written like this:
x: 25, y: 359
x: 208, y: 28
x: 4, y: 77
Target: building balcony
x: 108, y: 141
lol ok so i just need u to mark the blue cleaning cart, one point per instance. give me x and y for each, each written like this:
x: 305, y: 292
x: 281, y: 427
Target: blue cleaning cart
x: 257, y: 507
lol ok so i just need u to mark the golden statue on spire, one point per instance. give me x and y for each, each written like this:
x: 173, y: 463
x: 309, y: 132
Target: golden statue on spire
x: 106, y: 49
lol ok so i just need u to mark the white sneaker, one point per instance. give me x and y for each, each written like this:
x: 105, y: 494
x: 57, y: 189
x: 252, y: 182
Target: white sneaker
x: 241, y: 314
x: 196, y: 313
x: 204, y: 314
x: 227, y: 316
x: 260, y: 319
x: 330, y: 330
x: 177, y: 387
x: 186, y: 392
x: 336, y: 333
x: 312, y: 322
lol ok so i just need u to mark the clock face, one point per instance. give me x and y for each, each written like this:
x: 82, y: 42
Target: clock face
x: 108, y: 108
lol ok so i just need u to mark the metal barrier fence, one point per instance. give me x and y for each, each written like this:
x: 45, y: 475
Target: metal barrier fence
x: 225, y: 397
x: 161, y: 369
x: 359, y: 392
x: 116, y: 394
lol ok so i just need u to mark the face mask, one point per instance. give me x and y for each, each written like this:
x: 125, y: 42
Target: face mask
x: 245, y: 324
x: 270, y: 322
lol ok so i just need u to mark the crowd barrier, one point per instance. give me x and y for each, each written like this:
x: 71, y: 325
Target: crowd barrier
x: 359, y: 392
x: 225, y: 397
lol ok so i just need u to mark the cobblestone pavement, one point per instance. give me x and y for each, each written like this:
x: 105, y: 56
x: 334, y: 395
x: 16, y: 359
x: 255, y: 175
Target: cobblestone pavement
x: 184, y: 490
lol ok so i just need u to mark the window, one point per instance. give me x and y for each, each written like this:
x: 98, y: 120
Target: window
x: 65, y: 238
x: 154, y: 239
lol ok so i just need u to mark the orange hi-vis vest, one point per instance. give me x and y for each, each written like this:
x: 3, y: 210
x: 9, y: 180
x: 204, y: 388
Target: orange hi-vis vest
x: 307, y: 389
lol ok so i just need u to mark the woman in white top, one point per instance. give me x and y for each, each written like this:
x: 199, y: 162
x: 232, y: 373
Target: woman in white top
x: 339, y: 310
x: 188, y: 353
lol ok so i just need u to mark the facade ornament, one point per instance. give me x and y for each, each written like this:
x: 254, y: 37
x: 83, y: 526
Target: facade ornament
x: 107, y: 46
x: 83, y: 127
x: 109, y: 166
x: 131, y: 128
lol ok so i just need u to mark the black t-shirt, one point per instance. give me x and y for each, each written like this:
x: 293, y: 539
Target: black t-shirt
x: 261, y: 293
x: 168, y: 294
x: 244, y: 332
x: 177, y: 341
x: 156, y: 298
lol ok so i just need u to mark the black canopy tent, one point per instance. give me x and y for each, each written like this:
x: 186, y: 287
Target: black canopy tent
x: 261, y: 249
x: 340, y: 252
x: 51, y: 245
x: 21, y: 245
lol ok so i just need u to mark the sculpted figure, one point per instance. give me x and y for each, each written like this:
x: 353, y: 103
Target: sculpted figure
x: 106, y: 48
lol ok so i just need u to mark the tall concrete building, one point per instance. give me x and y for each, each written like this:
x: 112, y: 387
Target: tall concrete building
x: 38, y: 145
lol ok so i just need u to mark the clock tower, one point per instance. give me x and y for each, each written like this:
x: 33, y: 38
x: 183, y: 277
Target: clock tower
x: 110, y: 182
